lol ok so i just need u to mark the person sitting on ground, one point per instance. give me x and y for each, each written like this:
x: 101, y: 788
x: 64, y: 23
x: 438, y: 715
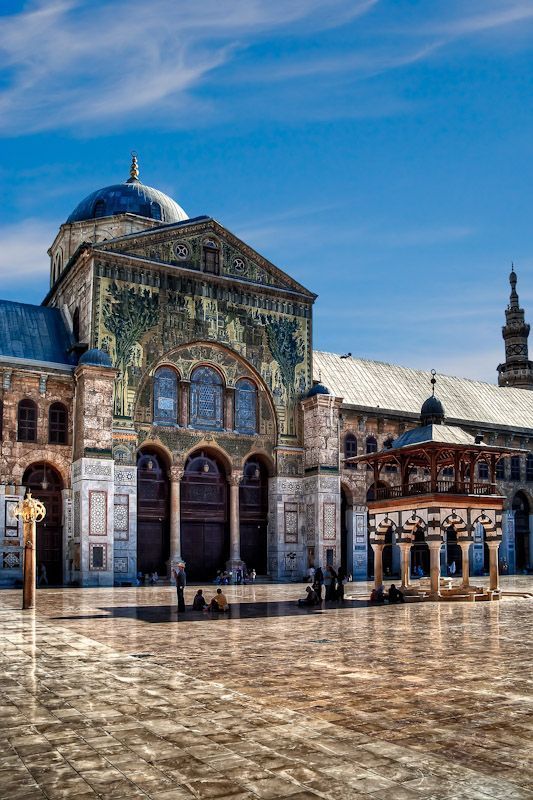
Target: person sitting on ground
x: 377, y: 595
x: 311, y: 599
x: 219, y: 602
x: 198, y: 604
x: 395, y: 595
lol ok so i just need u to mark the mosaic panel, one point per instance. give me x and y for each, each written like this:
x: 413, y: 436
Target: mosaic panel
x: 121, y: 564
x: 97, y: 470
x: 11, y: 520
x: 291, y: 523
x: 310, y: 522
x: 121, y: 516
x: 124, y: 477
x: 97, y: 513
x: 329, y: 521
x: 77, y: 515
x: 11, y: 560
x: 97, y: 557
x: 360, y: 533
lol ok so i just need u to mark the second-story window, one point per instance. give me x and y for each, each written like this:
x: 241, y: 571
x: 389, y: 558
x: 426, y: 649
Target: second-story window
x: 371, y: 447
x: 483, y: 470
x: 515, y: 468
x: 500, y: 470
x: 245, y: 406
x: 165, y: 396
x: 529, y: 467
x: 27, y: 421
x: 350, y: 449
x: 207, y: 406
x: 57, y: 424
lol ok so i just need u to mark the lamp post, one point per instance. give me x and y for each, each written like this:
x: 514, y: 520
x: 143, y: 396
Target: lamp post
x: 30, y: 511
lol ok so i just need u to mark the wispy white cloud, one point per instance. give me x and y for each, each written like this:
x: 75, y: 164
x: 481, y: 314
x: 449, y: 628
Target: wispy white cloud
x: 23, y: 252
x: 69, y: 62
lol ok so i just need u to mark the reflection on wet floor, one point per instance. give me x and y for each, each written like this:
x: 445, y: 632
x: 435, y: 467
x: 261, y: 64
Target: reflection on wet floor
x: 418, y: 701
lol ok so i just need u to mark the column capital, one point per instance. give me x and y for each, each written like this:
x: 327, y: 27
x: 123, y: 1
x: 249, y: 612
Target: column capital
x: 176, y: 473
x: 235, y: 478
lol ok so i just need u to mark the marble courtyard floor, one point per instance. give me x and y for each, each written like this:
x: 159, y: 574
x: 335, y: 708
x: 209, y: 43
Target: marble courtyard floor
x: 104, y: 694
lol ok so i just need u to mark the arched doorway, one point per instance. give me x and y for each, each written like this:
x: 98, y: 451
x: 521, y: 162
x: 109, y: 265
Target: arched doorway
x: 45, y: 484
x: 344, y: 530
x: 521, y: 531
x: 387, y: 553
x: 253, y: 514
x: 419, y: 553
x: 204, y: 517
x: 153, y: 529
x: 453, y: 552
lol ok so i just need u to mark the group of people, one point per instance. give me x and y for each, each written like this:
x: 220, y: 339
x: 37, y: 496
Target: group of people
x: 219, y: 602
x: 152, y: 578
x: 331, y: 581
x: 241, y: 576
x: 394, y: 595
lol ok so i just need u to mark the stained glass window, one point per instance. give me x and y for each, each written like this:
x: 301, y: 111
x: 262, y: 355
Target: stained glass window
x: 245, y: 406
x: 165, y: 396
x: 207, y: 407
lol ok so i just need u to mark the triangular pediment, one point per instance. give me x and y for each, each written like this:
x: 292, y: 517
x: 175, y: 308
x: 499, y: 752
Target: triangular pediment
x: 182, y: 244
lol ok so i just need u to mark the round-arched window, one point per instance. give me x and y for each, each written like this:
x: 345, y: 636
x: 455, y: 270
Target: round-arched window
x: 165, y: 396
x: 246, y: 406
x: 350, y: 449
x: 207, y: 406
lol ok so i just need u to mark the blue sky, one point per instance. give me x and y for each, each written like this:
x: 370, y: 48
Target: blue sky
x: 380, y: 151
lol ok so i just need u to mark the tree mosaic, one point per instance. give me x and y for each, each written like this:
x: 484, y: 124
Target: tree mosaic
x: 286, y: 348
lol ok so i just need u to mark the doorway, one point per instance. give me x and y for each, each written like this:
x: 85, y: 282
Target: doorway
x: 204, y: 517
x: 45, y: 484
x: 153, y: 514
x: 521, y: 528
x: 253, y: 514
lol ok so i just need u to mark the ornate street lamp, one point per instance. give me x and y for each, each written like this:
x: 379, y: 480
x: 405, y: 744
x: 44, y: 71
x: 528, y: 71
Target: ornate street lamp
x: 30, y: 511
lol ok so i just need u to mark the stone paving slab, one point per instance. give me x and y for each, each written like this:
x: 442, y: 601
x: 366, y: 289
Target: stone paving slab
x: 105, y: 693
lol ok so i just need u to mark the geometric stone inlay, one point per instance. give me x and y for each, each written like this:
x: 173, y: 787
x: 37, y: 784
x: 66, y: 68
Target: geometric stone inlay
x: 291, y: 523
x: 329, y: 521
x: 121, y: 516
x: 97, y: 513
x: 121, y: 564
x: 11, y: 560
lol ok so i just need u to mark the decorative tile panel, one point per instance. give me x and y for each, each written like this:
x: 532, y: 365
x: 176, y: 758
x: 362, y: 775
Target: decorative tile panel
x: 97, y: 469
x: 360, y: 532
x: 329, y: 521
x: 310, y: 522
x: 121, y: 516
x: 11, y: 560
x: 125, y: 476
x: 291, y: 523
x: 76, y: 515
x: 121, y: 564
x: 11, y: 520
x: 97, y: 513
x: 97, y: 557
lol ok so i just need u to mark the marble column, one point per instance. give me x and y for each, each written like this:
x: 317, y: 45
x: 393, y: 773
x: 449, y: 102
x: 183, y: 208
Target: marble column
x: 378, y: 564
x: 234, y: 520
x: 175, y: 518
x: 405, y: 563
x: 434, y: 567
x: 493, y: 566
x: 465, y: 552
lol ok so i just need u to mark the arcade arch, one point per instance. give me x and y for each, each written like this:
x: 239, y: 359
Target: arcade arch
x: 45, y: 484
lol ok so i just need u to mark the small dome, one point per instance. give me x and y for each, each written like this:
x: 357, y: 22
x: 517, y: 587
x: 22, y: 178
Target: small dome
x: 130, y: 197
x: 432, y: 411
x: 95, y: 358
x: 318, y: 388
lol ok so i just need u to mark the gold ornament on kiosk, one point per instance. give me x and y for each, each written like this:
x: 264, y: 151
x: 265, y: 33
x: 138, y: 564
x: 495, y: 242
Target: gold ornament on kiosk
x: 30, y: 511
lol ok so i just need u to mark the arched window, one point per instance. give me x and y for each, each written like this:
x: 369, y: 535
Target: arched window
x: 207, y: 407
x: 57, y: 424
x: 483, y: 470
x: 165, y: 396
x: 350, y: 449
x: 76, y: 324
x: 155, y: 210
x: 500, y: 469
x: 529, y: 467
x: 211, y: 258
x: 371, y: 447
x: 27, y: 421
x: 515, y: 468
x: 246, y: 406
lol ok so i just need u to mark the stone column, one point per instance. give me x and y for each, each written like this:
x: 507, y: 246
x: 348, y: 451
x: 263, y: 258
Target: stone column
x: 378, y: 564
x: 175, y: 518
x: 465, y: 550
x: 493, y: 565
x: 434, y: 567
x: 234, y: 520
x: 405, y: 562
x: 184, y: 403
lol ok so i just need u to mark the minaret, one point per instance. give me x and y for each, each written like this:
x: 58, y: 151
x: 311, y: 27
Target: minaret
x: 517, y: 370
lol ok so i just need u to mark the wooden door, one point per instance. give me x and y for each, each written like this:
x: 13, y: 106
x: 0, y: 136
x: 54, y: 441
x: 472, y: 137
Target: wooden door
x: 50, y: 530
x: 153, y: 529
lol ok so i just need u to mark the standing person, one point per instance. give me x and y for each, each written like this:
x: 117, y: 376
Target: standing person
x: 330, y: 580
x: 43, y: 577
x: 341, y: 580
x: 311, y: 575
x: 453, y: 568
x: 253, y: 574
x: 181, y: 582
x: 319, y: 580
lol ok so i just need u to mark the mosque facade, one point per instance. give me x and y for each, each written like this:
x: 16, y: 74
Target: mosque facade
x: 165, y: 403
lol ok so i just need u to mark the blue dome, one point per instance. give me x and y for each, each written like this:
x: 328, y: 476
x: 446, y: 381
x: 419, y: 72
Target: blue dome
x: 96, y: 358
x: 132, y: 197
x: 318, y: 388
x: 432, y: 411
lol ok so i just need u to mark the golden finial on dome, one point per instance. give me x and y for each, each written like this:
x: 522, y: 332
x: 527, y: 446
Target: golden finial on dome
x: 134, y: 169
